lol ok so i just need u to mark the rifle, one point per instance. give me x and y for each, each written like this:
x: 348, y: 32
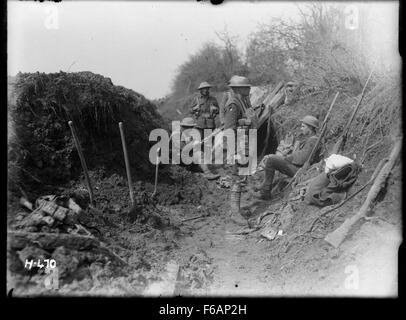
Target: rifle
x: 306, y: 165
x: 343, y: 138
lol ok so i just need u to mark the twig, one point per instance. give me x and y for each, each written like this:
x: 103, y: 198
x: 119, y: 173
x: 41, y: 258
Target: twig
x: 380, y: 124
x: 71, y: 65
x: 194, y: 218
x: 367, y: 150
x: 29, y: 174
x: 246, y: 231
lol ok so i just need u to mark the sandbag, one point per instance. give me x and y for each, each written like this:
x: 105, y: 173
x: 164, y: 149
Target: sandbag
x: 329, y: 188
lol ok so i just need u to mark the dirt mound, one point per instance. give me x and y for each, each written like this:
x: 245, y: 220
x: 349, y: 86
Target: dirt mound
x: 113, y: 248
x: 41, y: 149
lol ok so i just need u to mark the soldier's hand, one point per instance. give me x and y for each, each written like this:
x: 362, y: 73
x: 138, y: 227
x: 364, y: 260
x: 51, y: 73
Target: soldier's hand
x: 196, y: 109
x: 214, y: 109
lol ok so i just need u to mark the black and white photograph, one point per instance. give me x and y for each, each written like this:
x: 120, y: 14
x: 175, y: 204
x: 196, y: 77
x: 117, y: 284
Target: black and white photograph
x: 203, y: 149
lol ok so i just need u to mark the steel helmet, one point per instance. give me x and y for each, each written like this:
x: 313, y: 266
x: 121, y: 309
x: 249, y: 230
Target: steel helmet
x: 187, y: 122
x: 311, y: 121
x: 203, y: 85
x: 239, y: 81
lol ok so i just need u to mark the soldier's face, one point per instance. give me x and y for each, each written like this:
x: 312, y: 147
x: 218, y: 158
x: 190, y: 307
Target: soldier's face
x: 305, y: 129
x: 187, y: 132
x: 245, y: 91
x: 205, y: 91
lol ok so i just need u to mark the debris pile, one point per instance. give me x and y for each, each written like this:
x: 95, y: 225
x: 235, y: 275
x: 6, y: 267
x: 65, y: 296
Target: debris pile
x: 41, y: 150
x: 195, y: 274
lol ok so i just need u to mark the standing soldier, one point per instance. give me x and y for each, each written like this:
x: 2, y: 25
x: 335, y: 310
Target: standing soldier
x: 235, y: 117
x: 205, y: 109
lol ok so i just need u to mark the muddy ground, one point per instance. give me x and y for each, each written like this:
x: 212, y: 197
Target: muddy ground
x: 164, y: 255
x: 180, y: 242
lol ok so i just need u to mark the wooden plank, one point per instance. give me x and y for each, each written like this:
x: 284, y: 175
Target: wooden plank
x: 276, y: 100
x: 273, y: 93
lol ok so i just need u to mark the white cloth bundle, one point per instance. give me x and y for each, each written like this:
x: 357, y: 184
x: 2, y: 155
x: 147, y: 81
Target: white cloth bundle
x: 336, y: 161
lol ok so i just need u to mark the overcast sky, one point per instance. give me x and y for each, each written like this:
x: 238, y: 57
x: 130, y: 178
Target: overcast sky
x: 137, y: 44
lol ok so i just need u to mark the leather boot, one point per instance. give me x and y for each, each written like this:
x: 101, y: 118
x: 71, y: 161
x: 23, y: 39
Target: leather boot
x: 235, y: 200
x: 237, y: 218
x: 207, y: 173
x: 266, y: 186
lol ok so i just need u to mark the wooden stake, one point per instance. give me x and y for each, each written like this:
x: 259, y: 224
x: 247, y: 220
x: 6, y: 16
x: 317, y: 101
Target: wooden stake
x: 156, y: 171
x: 127, y: 163
x: 82, y: 161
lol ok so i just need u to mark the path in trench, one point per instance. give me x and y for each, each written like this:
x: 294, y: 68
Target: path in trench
x: 239, y: 262
x: 244, y: 266
x: 241, y: 266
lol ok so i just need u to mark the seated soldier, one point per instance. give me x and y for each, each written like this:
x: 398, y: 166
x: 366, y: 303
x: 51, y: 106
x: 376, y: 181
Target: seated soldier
x: 290, y: 164
x: 185, y: 126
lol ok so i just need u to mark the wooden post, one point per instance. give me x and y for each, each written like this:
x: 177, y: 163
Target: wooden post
x: 156, y: 171
x: 127, y: 163
x: 82, y: 161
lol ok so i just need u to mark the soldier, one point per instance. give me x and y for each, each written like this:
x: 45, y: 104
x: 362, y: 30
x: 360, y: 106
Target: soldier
x: 185, y: 125
x: 205, y: 109
x: 290, y: 164
x: 235, y: 118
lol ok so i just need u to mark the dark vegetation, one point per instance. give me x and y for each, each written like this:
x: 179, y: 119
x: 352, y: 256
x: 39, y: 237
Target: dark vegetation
x: 316, y: 51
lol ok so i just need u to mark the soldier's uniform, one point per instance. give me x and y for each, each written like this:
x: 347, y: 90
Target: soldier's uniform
x: 290, y: 164
x: 204, y: 110
x: 235, y: 118
x: 204, y: 114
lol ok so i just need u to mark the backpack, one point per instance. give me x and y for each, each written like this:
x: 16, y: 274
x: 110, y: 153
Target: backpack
x: 248, y: 113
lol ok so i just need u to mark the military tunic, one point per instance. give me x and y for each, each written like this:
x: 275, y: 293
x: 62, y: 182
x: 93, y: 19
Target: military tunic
x: 234, y: 111
x: 201, y: 111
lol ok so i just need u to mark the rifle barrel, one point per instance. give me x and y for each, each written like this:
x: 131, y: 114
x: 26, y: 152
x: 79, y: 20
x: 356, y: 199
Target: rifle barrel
x: 323, y: 130
x: 347, y: 126
x: 329, y: 110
